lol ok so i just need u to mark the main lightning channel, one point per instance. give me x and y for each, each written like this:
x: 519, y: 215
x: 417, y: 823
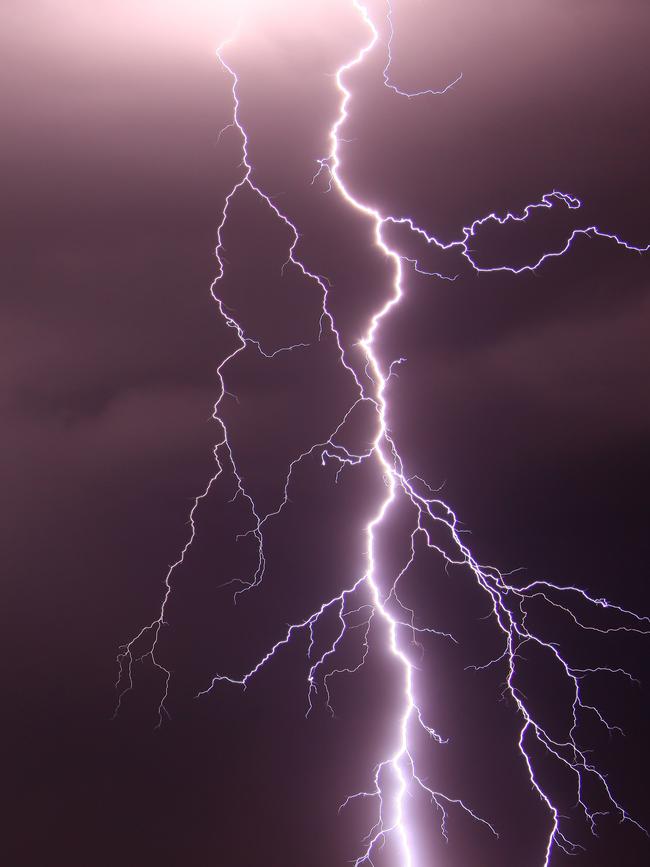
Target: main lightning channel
x: 396, y: 776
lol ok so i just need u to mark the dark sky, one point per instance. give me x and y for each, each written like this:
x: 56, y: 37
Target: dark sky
x: 526, y: 396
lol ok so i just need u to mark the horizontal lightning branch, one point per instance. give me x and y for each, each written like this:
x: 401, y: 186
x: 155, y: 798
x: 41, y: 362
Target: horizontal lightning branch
x: 365, y: 606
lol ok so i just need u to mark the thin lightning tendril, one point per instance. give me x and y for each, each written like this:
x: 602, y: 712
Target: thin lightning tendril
x: 365, y: 604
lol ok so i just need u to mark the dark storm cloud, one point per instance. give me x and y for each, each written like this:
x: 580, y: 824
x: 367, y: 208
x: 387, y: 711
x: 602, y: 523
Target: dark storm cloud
x: 577, y: 372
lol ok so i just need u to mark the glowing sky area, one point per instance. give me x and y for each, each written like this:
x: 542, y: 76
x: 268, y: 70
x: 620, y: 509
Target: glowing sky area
x: 427, y: 312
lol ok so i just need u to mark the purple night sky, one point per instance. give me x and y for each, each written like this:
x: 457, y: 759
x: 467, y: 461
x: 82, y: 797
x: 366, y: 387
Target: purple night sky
x: 524, y: 396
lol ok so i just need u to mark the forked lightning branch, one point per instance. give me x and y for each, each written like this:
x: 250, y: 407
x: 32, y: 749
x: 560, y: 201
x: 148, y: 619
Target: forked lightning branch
x: 369, y: 605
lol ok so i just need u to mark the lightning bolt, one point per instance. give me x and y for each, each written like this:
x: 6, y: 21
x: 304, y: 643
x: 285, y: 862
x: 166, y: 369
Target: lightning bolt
x: 369, y: 602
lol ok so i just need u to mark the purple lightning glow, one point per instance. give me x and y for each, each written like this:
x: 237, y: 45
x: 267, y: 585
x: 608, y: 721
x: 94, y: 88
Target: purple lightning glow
x: 366, y: 604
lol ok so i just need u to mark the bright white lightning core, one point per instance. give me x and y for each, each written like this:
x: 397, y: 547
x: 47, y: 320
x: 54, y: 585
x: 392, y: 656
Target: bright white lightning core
x: 396, y: 775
